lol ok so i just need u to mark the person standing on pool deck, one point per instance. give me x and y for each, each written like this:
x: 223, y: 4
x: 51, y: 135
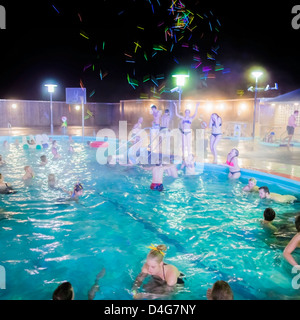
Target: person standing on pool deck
x: 215, y: 124
x: 291, y: 127
x: 186, y: 130
x: 154, y: 131
x: 293, y: 244
x: 232, y: 163
x: 165, y: 277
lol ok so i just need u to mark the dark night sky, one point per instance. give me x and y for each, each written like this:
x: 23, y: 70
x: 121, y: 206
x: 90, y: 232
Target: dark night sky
x: 40, y: 44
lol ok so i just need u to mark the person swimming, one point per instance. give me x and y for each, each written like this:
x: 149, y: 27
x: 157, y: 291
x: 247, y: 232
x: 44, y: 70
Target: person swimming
x: 29, y: 174
x: 77, y: 191
x: 165, y: 277
x: 251, y: 186
x: 264, y: 193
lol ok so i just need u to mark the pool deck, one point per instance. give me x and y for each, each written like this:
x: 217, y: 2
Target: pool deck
x: 281, y: 161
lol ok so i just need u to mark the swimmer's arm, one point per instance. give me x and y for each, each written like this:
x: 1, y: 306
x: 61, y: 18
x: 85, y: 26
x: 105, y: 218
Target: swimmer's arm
x: 246, y: 188
x: 287, y: 253
x: 139, y: 280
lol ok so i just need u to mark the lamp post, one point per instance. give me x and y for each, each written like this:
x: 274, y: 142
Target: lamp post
x: 180, y: 81
x: 257, y: 75
x: 51, y: 90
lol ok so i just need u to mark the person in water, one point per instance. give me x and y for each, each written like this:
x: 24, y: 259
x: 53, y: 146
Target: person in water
x: 189, y: 166
x: 232, y: 163
x: 264, y: 193
x: 2, y: 162
x: 215, y: 124
x: 251, y: 186
x: 293, y: 244
x: 44, y: 161
x: 5, y: 188
x: 158, y: 173
x: 269, y: 216
x: 186, y: 129
x: 29, y: 174
x: 65, y: 290
x: 165, y: 277
x: 220, y: 290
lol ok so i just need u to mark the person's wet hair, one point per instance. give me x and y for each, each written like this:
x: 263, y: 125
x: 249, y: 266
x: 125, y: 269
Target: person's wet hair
x: 221, y: 291
x: 266, y: 189
x: 63, y: 292
x: 269, y: 214
x: 297, y: 222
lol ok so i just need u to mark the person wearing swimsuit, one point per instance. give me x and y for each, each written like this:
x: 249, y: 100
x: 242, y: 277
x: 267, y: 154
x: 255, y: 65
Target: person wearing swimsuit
x: 216, y: 134
x: 186, y: 129
x: 232, y: 163
x: 165, y: 277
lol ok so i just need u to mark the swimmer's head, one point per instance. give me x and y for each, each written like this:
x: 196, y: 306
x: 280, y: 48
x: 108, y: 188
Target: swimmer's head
x: 153, y: 107
x: 269, y: 214
x: 88, y: 143
x: 221, y: 290
x: 155, y: 258
x: 297, y: 222
x: 53, y: 142
x: 187, y: 112
x: 167, y: 111
x: 252, y: 182
x: 78, y: 189
x: 263, y: 192
x: 296, y: 112
x: 63, y: 292
x: 51, y: 177
x: 28, y: 169
x: 43, y: 158
x: 1, y: 177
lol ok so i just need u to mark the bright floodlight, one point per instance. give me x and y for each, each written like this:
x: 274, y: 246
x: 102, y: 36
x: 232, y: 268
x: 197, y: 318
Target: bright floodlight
x: 50, y: 87
x: 180, y: 79
x: 257, y: 74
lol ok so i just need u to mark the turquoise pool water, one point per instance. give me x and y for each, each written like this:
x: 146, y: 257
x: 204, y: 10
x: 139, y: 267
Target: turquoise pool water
x: 212, y: 230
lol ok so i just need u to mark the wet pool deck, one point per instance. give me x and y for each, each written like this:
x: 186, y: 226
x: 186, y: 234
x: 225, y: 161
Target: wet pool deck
x: 282, y: 161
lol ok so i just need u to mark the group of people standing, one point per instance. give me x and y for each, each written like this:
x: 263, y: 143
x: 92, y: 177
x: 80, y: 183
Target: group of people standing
x: 161, y: 124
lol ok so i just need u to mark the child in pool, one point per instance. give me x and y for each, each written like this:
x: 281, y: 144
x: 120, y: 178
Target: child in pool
x: 251, y: 186
x: 165, y: 277
x: 264, y: 193
x: 29, y: 174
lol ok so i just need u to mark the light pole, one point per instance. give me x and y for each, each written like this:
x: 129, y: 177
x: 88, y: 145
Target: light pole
x: 51, y: 90
x: 257, y: 75
x: 180, y: 81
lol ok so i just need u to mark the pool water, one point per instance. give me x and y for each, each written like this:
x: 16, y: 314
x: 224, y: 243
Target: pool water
x: 211, y: 228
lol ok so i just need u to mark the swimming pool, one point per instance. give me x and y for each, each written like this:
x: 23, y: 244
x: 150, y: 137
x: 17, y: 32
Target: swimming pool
x: 210, y: 227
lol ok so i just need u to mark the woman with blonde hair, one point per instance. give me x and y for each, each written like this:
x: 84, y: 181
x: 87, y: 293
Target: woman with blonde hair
x: 165, y: 277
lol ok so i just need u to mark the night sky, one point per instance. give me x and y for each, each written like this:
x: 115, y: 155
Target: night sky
x: 47, y: 41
